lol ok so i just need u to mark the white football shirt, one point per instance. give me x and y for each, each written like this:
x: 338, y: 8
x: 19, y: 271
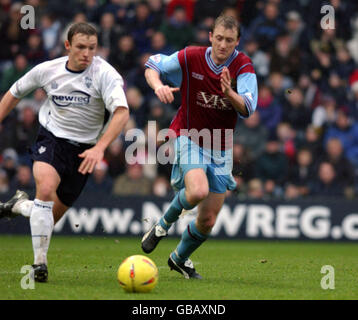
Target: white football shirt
x: 76, y: 101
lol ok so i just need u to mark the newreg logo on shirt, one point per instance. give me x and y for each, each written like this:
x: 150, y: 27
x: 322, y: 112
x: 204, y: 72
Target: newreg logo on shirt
x: 76, y: 97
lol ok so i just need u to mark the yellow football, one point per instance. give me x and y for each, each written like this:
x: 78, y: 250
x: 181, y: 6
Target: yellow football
x: 137, y: 274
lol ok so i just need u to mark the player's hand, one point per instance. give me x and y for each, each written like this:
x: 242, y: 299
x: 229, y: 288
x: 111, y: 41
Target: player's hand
x: 165, y: 93
x: 225, y: 81
x: 91, y: 157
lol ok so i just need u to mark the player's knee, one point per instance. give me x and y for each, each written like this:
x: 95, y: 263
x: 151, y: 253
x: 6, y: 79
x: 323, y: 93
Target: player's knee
x: 197, y: 194
x: 44, y: 192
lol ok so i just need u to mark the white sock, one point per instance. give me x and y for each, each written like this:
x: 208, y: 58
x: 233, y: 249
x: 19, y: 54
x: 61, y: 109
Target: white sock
x: 23, y: 207
x: 41, y: 223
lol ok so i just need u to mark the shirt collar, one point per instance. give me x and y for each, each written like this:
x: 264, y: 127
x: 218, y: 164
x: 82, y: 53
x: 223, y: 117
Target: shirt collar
x: 217, y: 69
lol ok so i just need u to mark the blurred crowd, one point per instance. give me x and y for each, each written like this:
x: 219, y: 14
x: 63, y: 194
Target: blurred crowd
x: 301, y: 142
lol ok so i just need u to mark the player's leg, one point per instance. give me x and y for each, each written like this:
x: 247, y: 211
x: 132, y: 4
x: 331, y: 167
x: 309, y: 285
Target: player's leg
x: 41, y: 217
x: 20, y: 204
x: 196, y: 189
x: 195, y: 234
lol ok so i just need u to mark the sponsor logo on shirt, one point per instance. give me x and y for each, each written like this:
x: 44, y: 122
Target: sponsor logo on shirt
x: 197, y: 76
x: 212, y: 101
x: 76, y: 97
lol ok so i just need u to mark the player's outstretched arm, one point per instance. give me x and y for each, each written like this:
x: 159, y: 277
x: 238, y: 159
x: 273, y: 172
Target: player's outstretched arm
x: 163, y: 92
x: 236, y: 100
x: 94, y: 155
x: 8, y: 102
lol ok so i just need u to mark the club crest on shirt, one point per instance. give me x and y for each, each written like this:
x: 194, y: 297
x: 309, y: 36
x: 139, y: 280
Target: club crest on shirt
x: 88, y: 82
x: 54, y: 85
x: 156, y: 58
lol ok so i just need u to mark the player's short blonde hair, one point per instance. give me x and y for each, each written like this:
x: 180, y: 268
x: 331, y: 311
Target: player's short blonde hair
x: 228, y: 22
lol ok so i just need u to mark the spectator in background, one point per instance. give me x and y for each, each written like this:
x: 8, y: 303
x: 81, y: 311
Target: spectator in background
x: 10, y: 162
x: 284, y: 58
x: 294, y: 112
x: 295, y: 29
x: 271, y: 167
x: 132, y: 182
x: 252, y: 135
x: 347, y: 133
x: 326, y: 184
x: 266, y: 27
x: 255, y: 189
x: 269, y: 108
x: 310, y: 91
x: 352, y: 44
x: 4, y: 182
x: 161, y: 187
x: 301, y: 174
x: 243, y: 164
x: 325, y: 114
x: 12, y: 36
x: 136, y: 77
x: 15, y: 72
x: 99, y: 179
x: 5, y: 6
x: 118, y: 8
x: 177, y: 30
x: 260, y: 59
x: 157, y: 12
x: 141, y: 26
x: 51, y: 32
x: 353, y: 103
x: 312, y: 140
x: 26, y: 131
x: 158, y: 44
x: 23, y: 180
x: 123, y: 55
x: 278, y: 85
x: 107, y: 35
x: 34, y: 50
x: 344, y: 169
x: 115, y: 157
x: 345, y: 63
x: 138, y: 106
x: 287, y: 138
x: 91, y: 9
x: 161, y: 113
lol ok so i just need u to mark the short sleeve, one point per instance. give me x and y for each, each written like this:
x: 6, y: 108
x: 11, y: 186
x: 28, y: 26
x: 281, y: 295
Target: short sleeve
x: 247, y: 89
x: 167, y: 66
x: 112, y: 90
x: 28, y: 83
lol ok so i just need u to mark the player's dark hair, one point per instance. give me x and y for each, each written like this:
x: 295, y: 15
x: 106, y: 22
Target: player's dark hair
x: 228, y: 22
x: 83, y: 28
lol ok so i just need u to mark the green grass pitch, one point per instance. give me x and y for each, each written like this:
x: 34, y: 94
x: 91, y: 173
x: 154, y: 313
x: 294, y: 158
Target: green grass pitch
x: 85, y: 268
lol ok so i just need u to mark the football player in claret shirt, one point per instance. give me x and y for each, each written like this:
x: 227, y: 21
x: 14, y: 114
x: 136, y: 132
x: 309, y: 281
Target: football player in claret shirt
x: 217, y: 85
x: 84, y: 94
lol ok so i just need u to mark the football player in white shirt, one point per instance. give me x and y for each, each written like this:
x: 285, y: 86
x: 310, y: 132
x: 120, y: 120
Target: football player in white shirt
x: 83, y: 92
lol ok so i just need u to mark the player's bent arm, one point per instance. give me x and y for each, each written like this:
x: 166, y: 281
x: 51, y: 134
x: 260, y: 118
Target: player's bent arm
x: 153, y: 78
x: 115, y: 127
x: 163, y: 92
x: 94, y: 155
x: 238, y: 103
x: 8, y: 102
